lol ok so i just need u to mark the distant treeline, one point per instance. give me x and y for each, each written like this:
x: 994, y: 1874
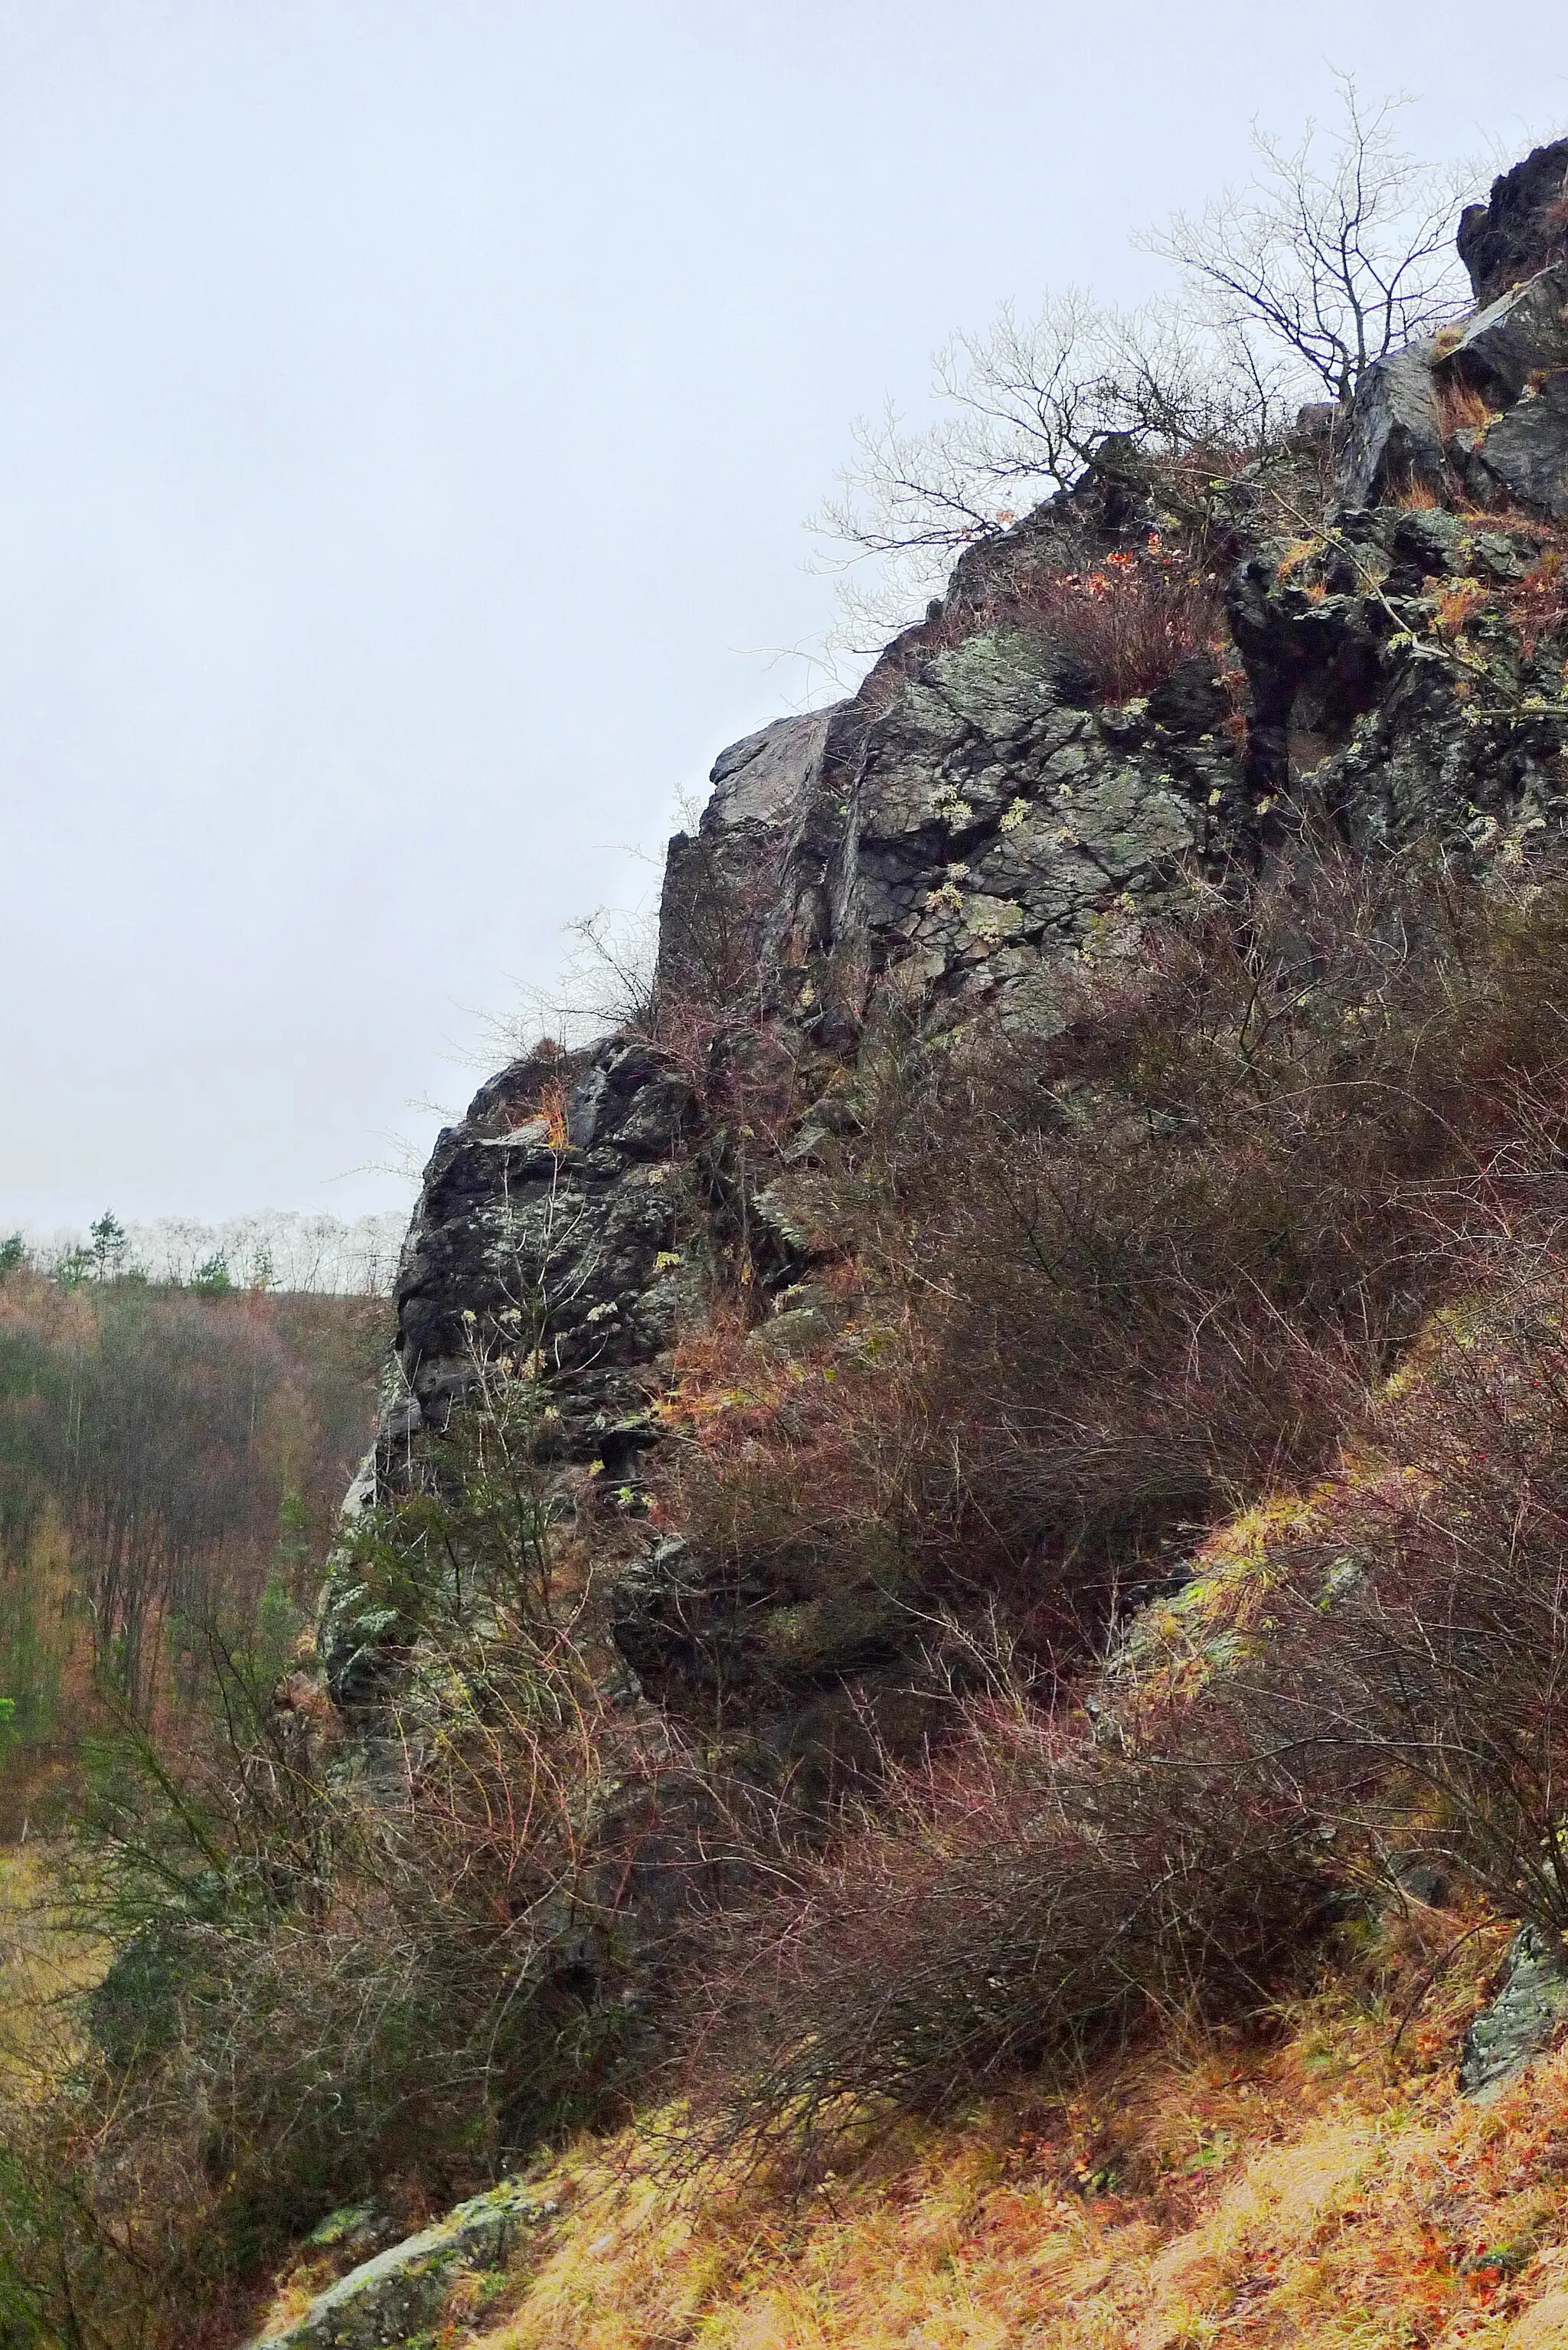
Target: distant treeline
x: 270, y: 1250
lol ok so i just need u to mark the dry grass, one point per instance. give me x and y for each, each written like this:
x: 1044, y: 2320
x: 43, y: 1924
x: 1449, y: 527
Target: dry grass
x: 41, y: 1968
x: 1538, y: 605
x: 1462, y: 408
x: 1129, y: 620
x: 1327, y: 2190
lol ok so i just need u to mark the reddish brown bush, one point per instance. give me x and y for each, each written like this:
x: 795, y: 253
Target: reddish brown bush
x: 1101, y: 1285
x: 1022, y: 1901
x: 1129, y: 622
x: 1389, y: 1688
x: 1414, y: 1689
x: 1538, y: 604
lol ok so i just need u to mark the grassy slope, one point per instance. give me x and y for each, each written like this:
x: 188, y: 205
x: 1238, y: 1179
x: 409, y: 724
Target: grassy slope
x: 1315, y: 2181
x: 41, y: 1967
x: 1324, y: 2187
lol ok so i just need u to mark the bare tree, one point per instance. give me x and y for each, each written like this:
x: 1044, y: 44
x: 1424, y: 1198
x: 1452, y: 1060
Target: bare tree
x: 1031, y: 398
x: 1027, y: 402
x: 1337, y: 251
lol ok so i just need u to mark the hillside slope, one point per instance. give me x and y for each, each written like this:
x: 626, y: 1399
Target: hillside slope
x: 939, y: 1715
x: 1161, y: 693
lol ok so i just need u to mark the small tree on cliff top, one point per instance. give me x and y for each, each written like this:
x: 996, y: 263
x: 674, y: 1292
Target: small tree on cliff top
x: 1336, y: 251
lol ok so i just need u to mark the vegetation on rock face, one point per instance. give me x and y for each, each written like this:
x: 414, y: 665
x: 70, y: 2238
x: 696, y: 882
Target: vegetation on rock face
x: 1087, y: 1295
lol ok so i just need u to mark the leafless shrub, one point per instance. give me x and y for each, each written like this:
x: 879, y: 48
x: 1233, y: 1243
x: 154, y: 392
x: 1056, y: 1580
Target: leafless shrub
x: 1098, y: 1286
x: 1413, y: 1693
x: 1129, y: 622
x: 1024, y: 1901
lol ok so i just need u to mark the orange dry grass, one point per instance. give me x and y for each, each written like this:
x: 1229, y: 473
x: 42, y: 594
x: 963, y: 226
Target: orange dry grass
x: 553, y: 1105
x: 1539, y: 603
x: 1461, y: 405
x: 1458, y: 604
x: 1327, y: 2190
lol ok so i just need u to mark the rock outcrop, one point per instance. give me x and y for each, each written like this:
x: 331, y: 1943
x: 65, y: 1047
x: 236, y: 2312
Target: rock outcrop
x: 392, y: 2298
x: 1480, y: 410
x: 1522, y: 226
x: 1521, y: 2022
x: 947, y: 845
x: 958, y: 834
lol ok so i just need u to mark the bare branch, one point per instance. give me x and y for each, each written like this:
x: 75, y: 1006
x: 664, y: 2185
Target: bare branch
x: 1336, y: 252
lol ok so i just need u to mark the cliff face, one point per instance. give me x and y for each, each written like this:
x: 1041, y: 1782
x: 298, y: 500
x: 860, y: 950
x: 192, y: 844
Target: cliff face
x: 1362, y: 644
x: 949, y: 842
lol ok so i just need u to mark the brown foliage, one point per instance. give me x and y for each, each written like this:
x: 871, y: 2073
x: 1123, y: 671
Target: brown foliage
x: 1096, y: 1282
x: 1130, y: 621
x: 1025, y: 1897
x: 1127, y: 621
x: 1385, y: 1687
x: 1538, y: 604
x: 1414, y: 1693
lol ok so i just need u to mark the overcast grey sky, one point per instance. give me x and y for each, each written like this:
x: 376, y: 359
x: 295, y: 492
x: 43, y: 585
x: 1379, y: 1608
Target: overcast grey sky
x: 408, y: 410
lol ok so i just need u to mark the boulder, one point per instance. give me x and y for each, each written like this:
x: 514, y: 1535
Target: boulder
x: 1513, y: 339
x: 1395, y: 438
x: 1525, y: 453
x: 386, y: 2302
x: 1522, y: 226
x: 1508, y: 2036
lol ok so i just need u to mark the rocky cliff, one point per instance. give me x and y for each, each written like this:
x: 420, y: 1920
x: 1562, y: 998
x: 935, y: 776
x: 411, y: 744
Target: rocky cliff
x: 951, y: 840
x: 1360, y: 640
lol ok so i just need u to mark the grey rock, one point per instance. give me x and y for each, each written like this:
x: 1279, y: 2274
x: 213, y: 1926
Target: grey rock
x: 1356, y: 674
x: 990, y: 826
x: 1525, y: 453
x: 1315, y: 662
x: 557, y: 1249
x: 1394, y: 439
x: 386, y: 2301
x: 1428, y: 542
x: 354, y: 2232
x: 763, y: 790
x: 1520, y: 2023
x: 1511, y: 339
x: 1318, y: 422
x: 797, y: 1331
x: 1521, y: 228
x: 1499, y: 556
x: 1425, y: 1881
x: 568, y: 1262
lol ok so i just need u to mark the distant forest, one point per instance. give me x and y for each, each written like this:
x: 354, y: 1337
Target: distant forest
x: 171, y: 1461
